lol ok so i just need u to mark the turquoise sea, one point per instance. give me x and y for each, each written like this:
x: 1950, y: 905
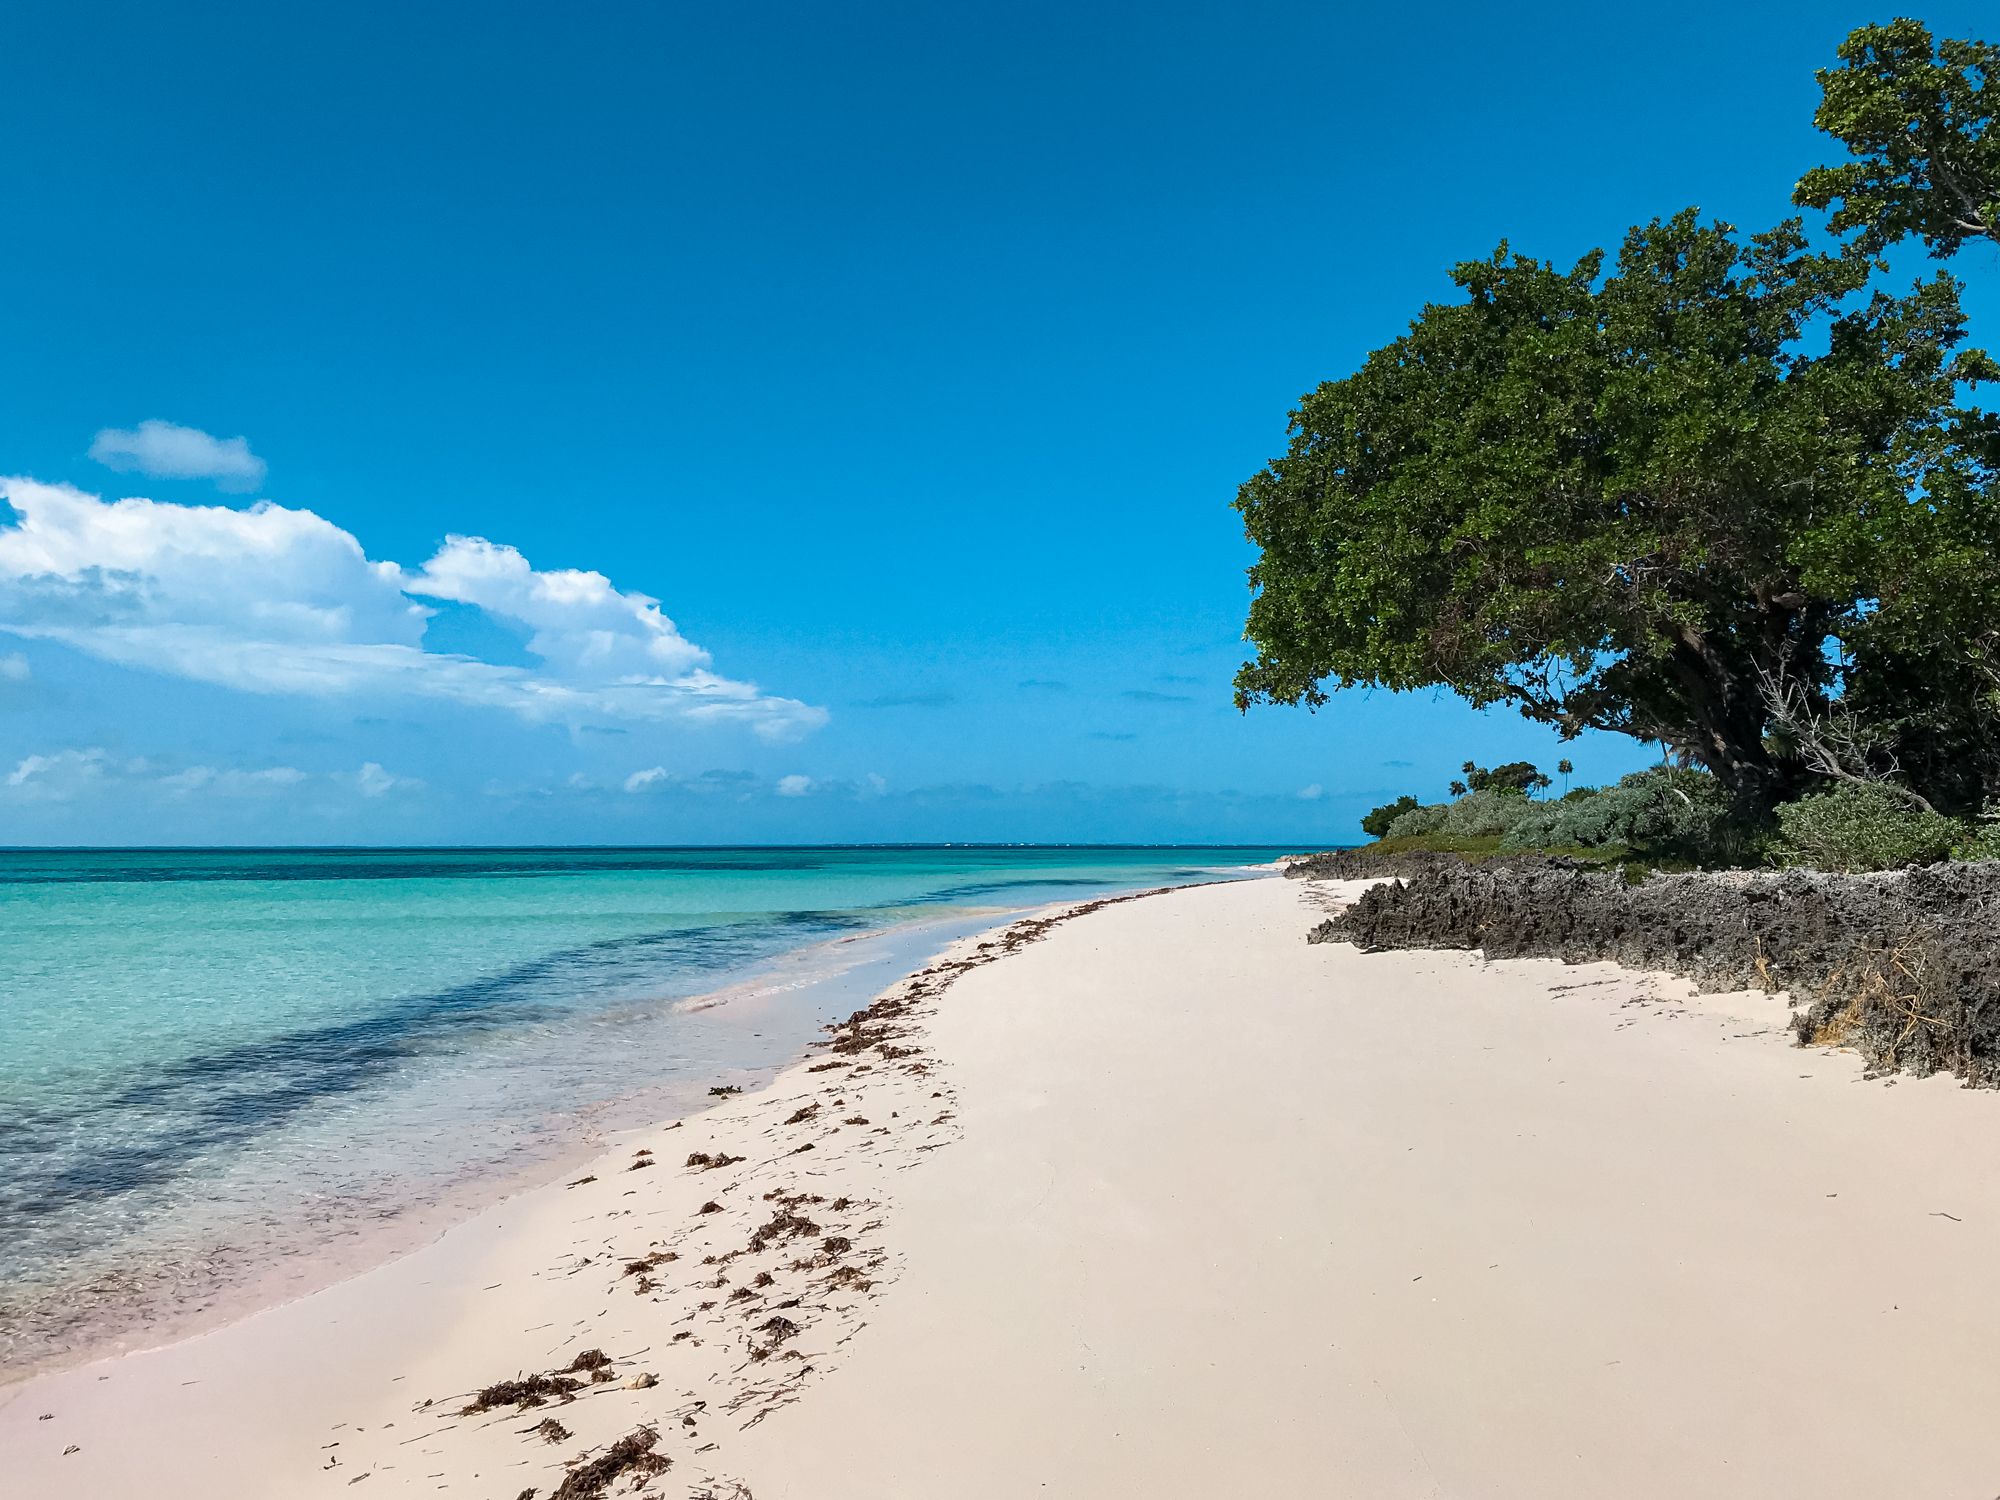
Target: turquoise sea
x: 229, y: 1075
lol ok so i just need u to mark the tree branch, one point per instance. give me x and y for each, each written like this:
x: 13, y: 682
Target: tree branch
x: 1831, y: 745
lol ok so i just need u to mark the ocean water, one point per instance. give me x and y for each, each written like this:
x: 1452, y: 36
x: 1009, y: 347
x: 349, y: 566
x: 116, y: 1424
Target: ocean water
x: 228, y: 1076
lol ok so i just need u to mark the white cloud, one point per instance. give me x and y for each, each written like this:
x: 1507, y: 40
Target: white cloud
x: 57, y: 775
x: 164, y: 450
x: 1311, y: 793
x: 372, y: 781
x: 794, y: 786
x: 64, y: 774
x: 13, y: 667
x: 640, y: 781
x: 580, y: 622
x: 232, y: 783
x: 274, y: 600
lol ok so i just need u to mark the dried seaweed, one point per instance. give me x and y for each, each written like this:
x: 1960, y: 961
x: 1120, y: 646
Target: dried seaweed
x: 521, y: 1393
x: 781, y: 1226
x: 631, y: 1455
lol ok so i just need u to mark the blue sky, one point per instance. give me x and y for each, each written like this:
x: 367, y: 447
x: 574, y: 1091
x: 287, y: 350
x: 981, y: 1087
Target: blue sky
x: 907, y: 356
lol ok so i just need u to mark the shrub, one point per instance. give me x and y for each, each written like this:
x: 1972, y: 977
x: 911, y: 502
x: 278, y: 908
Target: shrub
x: 1546, y: 826
x: 1663, y: 814
x: 1666, y: 812
x: 1376, y: 824
x: 1418, y: 821
x: 1983, y: 841
x: 1854, y: 828
x: 1485, y: 815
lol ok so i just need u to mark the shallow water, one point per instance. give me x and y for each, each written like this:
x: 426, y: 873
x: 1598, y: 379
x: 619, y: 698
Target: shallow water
x: 224, y: 1071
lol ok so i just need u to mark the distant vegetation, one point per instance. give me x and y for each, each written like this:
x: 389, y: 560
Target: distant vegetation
x: 1676, y: 817
x: 1724, y: 492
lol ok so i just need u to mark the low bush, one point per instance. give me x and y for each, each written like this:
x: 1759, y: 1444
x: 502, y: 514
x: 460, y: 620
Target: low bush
x: 1983, y: 840
x: 1485, y: 815
x: 1858, y: 828
x: 1664, y: 813
x: 1418, y: 821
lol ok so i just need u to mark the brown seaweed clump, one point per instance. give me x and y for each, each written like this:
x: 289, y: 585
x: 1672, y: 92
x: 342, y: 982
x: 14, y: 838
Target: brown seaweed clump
x: 632, y: 1455
x: 649, y: 1261
x: 708, y: 1163
x: 522, y: 1392
x: 785, y: 1225
x: 776, y: 1330
x: 549, y: 1430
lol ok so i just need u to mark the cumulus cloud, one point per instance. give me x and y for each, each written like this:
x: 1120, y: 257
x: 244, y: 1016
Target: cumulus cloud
x: 13, y: 667
x: 640, y: 781
x: 794, y: 786
x: 165, y: 450
x: 1147, y: 695
x: 1311, y: 793
x: 274, y: 600
x: 62, y: 775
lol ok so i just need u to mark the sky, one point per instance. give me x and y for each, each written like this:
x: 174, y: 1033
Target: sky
x: 760, y: 423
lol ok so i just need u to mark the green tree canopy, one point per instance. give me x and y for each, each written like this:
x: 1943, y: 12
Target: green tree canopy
x: 1516, y: 778
x: 1628, y: 501
x: 1918, y: 120
x: 1375, y: 823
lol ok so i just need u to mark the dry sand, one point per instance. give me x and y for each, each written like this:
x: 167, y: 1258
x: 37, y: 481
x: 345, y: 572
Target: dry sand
x: 1170, y: 1203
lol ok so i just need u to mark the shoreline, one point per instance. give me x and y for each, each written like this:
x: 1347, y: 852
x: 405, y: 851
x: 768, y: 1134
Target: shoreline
x: 203, y: 1389
x: 1169, y: 1202
x: 356, y: 1238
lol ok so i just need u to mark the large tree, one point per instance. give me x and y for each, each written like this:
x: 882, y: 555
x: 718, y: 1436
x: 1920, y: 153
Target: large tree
x: 1917, y: 118
x: 1632, y: 502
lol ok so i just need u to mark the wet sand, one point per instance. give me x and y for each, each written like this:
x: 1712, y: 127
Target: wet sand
x: 1165, y: 1201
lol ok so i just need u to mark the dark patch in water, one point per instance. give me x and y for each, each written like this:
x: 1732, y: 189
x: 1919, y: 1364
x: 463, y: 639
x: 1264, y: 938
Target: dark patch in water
x: 153, y: 1129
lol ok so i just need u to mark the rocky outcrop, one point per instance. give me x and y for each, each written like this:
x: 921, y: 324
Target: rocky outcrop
x: 1903, y: 967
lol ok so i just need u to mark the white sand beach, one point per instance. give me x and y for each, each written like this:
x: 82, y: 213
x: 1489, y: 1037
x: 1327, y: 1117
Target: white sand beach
x: 1162, y: 1201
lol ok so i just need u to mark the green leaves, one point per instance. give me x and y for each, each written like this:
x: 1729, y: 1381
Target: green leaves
x: 1619, y: 501
x: 1917, y: 118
